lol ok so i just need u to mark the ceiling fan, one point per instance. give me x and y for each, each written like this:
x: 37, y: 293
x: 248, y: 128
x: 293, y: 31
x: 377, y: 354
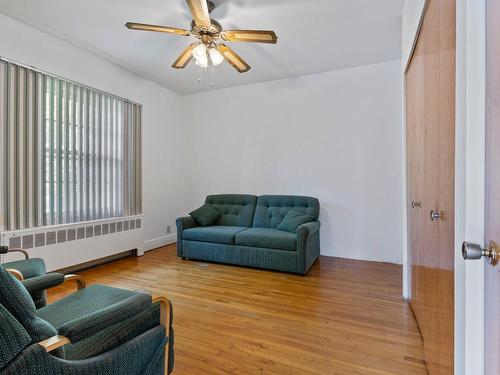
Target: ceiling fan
x: 209, y: 32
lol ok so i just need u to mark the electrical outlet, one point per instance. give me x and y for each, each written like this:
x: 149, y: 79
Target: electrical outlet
x: 168, y: 229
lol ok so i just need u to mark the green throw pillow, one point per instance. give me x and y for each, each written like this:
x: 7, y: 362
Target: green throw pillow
x: 292, y: 220
x: 205, y: 215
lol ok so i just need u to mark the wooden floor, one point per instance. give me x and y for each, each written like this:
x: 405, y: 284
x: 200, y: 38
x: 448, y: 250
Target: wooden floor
x: 345, y: 317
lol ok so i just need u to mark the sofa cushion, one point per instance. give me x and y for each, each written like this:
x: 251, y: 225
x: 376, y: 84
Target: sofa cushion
x: 267, y: 238
x: 271, y: 209
x: 216, y: 234
x: 236, y: 209
x: 292, y: 220
x: 205, y: 215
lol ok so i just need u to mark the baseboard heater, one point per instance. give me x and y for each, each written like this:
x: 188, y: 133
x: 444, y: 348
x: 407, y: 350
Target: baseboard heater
x: 79, y: 244
x: 45, y: 236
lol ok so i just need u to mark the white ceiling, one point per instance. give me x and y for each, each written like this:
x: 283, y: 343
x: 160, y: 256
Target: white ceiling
x: 313, y: 35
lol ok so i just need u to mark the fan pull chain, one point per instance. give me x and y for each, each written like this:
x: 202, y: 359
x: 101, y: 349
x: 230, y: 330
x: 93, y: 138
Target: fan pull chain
x: 212, y: 76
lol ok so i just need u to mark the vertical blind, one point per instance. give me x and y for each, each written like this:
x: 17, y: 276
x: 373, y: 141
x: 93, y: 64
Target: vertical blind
x: 68, y: 153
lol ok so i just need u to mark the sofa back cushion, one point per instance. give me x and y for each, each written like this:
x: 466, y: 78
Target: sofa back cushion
x: 271, y: 209
x: 236, y: 210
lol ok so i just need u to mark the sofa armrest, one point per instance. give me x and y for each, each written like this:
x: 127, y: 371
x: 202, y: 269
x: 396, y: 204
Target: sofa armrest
x: 308, y: 229
x: 183, y: 223
x: 308, y: 245
x: 186, y: 222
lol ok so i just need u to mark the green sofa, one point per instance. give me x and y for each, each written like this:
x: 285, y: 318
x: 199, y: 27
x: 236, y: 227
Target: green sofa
x: 245, y: 234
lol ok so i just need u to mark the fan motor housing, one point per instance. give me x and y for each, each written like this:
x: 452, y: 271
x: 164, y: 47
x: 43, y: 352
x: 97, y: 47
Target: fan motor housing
x: 213, y: 30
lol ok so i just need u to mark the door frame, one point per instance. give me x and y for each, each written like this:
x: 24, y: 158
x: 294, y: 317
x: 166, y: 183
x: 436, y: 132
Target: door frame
x: 469, y: 183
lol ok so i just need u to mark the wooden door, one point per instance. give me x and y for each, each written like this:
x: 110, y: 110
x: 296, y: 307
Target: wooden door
x: 492, y: 201
x: 430, y: 110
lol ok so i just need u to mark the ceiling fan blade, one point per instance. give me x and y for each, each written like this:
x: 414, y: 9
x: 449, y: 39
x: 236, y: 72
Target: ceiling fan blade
x: 233, y: 58
x: 184, y: 58
x: 160, y: 29
x: 255, y: 36
x: 199, y: 10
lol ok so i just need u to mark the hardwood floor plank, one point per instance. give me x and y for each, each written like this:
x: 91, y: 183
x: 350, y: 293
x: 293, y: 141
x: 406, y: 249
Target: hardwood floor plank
x: 345, y: 317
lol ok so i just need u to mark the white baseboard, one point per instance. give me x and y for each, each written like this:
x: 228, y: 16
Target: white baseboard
x: 159, y: 242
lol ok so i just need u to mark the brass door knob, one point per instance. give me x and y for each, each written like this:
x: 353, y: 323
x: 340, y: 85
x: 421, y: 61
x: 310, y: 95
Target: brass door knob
x: 472, y: 251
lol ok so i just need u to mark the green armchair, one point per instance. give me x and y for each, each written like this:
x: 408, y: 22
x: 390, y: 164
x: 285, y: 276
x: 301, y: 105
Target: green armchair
x: 33, y: 274
x: 96, y: 330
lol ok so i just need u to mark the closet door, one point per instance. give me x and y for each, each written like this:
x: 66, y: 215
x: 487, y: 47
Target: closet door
x: 415, y: 161
x: 430, y: 108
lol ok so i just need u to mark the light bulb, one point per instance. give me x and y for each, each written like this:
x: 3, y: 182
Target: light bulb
x: 215, y: 56
x: 202, y: 61
x: 200, y: 51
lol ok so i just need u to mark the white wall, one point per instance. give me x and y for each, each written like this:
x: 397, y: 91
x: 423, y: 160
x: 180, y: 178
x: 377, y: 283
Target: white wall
x: 335, y: 136
x: 163, y: 183
x: 412, y: 14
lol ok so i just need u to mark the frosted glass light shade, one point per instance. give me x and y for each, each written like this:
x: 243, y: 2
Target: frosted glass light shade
x: 200, y: 51
x: 215, y: 56
x: 202, y: 61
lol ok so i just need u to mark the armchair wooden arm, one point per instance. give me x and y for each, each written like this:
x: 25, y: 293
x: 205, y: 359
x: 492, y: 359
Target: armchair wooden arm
x: 54, y: 342
x: 18, y: 275
x: 165, y: 321
x: 80, y: 281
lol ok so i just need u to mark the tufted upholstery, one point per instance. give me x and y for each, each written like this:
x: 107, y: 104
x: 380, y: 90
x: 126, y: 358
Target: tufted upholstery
x: 247, y: 234
x: 236, y: 210
x: 271, y: 209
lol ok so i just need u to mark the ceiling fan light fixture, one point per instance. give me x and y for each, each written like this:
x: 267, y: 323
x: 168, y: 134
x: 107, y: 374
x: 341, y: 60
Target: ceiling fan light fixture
x: 209, y: 49
x: 200, y: 51
x: 215, y: 56
x: 202, y: 61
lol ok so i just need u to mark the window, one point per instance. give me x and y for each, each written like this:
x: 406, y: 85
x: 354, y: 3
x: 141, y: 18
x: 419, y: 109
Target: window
x: 69, y: 153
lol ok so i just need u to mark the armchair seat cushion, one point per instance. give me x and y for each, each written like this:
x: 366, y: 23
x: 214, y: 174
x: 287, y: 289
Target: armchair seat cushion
x: 215, y: 234
x: 267, y: 238
x: 93, y: 299
x: 84, y: 302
